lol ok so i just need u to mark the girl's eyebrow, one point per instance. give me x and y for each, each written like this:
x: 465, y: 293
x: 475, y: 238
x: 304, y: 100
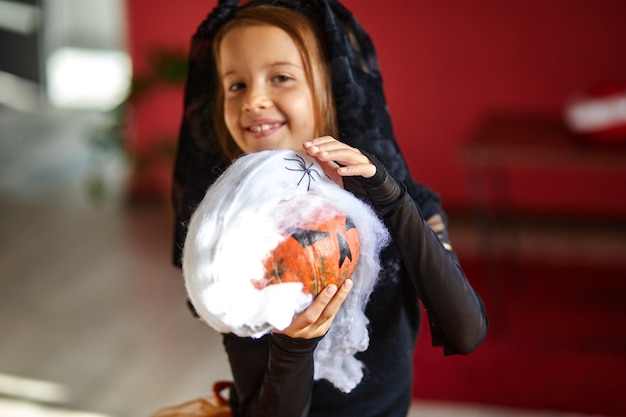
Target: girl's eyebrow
x: 269, y: 66
x: 284, y: 63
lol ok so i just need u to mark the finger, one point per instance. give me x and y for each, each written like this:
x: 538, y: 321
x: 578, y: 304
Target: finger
x: 337, y: 152
x: 321, y: 302
x: 364, y: 170
x: 304, y: 323
x: 329, y: 313
x: 319, y: 141
x: 318, y: 317
x: 322, y: 145
x: 352, y: 164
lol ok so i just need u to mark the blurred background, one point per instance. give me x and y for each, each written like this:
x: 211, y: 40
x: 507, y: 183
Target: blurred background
x: 513, y: 111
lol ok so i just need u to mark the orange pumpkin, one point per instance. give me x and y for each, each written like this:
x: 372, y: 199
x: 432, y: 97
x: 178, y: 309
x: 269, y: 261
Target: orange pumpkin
x: 316, y: 255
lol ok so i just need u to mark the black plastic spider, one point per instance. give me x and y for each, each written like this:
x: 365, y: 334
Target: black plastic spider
x: 306, y: 170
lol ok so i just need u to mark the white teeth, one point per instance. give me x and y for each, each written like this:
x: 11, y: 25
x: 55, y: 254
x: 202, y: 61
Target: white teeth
x: 260, y: 128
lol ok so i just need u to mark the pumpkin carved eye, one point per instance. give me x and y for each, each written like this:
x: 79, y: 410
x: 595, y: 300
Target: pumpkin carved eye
x: 316, y: 255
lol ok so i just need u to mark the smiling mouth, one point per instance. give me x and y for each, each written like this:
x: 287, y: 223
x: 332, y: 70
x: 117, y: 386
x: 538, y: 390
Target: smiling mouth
x: 263, y: 127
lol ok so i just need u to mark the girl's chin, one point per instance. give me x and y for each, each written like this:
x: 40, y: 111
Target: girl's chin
x: 270, y: 145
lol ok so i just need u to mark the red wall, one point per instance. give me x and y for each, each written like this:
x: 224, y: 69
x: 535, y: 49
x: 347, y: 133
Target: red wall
x: 446, y: 64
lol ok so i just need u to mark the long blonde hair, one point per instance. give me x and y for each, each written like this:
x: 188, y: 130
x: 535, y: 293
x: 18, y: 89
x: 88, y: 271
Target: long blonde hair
x: 312, y: 52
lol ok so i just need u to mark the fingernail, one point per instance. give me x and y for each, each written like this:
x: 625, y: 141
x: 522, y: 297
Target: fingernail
x: 348, y: 285
x: 331, y: 290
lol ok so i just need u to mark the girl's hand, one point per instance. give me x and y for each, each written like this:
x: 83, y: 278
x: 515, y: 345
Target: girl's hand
x: 316, y: 319
x: 338, y: 159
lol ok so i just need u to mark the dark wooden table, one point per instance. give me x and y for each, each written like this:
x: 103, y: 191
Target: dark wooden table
x: 538, y: 141
x: 503, y: 142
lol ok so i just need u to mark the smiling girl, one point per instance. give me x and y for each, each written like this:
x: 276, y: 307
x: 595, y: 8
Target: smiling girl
x: 267, y: 100
x: 303, y: 75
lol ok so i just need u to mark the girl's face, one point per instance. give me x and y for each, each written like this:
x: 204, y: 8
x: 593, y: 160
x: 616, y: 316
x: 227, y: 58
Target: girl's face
x: 268, y: 103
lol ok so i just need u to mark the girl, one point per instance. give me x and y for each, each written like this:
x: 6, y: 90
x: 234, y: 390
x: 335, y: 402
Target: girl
x: 303, y: 75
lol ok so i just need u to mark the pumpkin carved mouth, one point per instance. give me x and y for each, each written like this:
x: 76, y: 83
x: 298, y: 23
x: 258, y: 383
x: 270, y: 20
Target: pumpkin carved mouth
x: 316, y: 255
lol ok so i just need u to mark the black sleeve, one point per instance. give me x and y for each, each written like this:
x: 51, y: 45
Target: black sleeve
x: 456, y: 313
x: 273, y: 375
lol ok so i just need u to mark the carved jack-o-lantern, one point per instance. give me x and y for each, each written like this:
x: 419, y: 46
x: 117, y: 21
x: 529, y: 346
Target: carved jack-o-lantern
x: 316, y: 255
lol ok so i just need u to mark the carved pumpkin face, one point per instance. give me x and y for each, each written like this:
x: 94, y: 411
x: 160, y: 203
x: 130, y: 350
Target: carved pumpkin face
x: 316, y: 255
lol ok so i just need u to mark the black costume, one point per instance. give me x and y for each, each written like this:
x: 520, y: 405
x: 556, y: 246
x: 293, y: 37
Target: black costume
x: 274, y: 374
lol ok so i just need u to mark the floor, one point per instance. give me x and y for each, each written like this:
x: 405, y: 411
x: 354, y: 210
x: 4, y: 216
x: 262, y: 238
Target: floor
x: 93, y: 316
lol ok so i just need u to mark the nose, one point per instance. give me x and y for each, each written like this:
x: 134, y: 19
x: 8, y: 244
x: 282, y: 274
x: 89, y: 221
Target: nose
x: 257, y: 98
